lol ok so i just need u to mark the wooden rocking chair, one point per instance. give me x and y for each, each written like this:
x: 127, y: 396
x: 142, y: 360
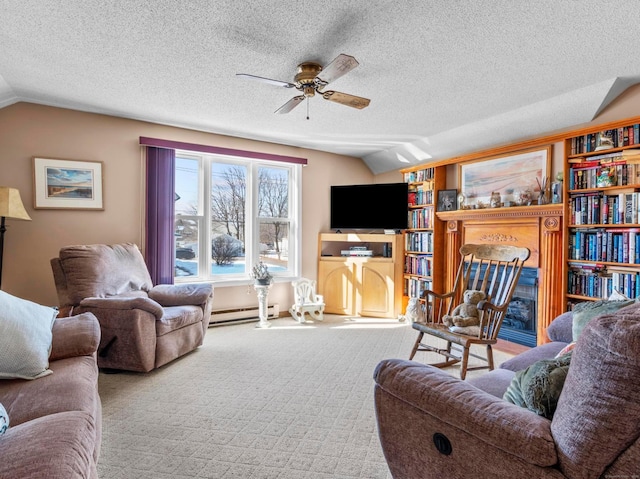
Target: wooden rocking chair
x: 493, y: 269
x: 306, y: 300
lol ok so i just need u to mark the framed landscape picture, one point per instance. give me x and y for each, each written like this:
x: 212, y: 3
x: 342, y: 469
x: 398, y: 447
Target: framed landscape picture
x: 67, y: 184
x: 510, y: 175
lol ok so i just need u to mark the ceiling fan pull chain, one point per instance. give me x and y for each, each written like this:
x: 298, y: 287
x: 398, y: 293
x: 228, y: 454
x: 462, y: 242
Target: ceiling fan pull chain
x: 307, y: 108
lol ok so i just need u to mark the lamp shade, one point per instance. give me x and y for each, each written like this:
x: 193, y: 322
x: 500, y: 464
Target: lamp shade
x: 11, y: 205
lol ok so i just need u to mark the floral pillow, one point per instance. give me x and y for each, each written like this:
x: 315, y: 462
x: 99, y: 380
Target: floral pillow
x: 4, y: 420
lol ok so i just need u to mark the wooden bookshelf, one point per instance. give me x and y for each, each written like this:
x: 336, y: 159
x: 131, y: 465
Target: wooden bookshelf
x: 423, y: 240
x: 602, y: 201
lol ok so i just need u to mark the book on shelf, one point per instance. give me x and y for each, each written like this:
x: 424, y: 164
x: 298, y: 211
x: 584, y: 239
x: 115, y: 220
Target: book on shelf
x: 598, y: 176
x: 611, y: 245
x: 585, y: 280
x: 419, y: 242
x: 422, y: 218
x: 414, y: 287
x: 599, y: 208
x: 629, y: 152
x: 418, y: 265
x: 631, y: 156
x: 619, y: 137
x: 420, y: 196
x: 419, y: 175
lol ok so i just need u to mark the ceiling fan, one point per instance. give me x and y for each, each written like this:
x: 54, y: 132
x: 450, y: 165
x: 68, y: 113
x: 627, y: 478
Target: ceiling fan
x: 312, y: 78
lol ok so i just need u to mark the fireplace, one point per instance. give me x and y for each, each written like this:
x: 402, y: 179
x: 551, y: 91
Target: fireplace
x: 520, y: 322
x: 540, y: 296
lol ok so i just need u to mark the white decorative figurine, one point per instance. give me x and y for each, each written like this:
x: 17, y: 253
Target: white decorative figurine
x: 414, y: 313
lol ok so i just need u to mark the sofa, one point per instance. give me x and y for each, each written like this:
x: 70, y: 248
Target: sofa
x: 142, y: 326
x: 55, y: 420
x: 433, y: 425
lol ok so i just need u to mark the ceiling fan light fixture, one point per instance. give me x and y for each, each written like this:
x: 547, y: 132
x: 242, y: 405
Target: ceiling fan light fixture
x: 312, y: 77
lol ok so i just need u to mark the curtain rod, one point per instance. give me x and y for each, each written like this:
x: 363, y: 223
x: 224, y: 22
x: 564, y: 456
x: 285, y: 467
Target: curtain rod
x: 179, y: 145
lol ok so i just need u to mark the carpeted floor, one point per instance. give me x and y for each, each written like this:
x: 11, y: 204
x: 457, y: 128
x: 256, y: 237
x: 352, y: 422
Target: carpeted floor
x: 294, y: 401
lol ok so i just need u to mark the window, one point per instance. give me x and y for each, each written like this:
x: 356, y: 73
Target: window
x: 232, y: 212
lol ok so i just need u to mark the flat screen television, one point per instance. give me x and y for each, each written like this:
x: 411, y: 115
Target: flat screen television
x: 372, y: 207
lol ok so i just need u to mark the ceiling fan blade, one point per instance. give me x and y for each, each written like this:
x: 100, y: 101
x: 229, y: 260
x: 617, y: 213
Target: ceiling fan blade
x: 339, y: 66
x: 290, y: 105
x: 266, y: 80
x: 346, y: 99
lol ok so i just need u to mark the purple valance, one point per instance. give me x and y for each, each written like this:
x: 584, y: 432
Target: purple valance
x: 179, y: 145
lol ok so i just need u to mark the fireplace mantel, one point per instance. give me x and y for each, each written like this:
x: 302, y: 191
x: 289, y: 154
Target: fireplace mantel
x: 537, y: 227
x: 514, y: 211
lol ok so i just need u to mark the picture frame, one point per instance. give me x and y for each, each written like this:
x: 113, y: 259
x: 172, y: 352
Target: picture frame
x: 447, y: 200
x: 516, y: 176
x: 67, y: 184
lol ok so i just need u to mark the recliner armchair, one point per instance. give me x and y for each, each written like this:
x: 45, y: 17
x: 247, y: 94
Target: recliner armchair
x: 432, y: 425
x: 143, y: 326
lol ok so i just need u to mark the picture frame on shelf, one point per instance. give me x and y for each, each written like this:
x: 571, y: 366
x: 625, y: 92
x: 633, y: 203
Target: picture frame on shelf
x: 514, y: 175
x: 447, y: 200
x: 67, y: 184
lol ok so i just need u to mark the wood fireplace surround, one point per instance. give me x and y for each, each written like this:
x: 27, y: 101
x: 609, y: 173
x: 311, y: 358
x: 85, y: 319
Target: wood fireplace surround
x: 538, y: 228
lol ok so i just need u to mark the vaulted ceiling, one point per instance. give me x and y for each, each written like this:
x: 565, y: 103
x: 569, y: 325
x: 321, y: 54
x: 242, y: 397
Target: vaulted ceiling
x: 445, y: 77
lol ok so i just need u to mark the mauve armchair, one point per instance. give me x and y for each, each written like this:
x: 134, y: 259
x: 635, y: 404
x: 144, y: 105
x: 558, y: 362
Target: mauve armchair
x: 143, y: 326
x: 432, y: 425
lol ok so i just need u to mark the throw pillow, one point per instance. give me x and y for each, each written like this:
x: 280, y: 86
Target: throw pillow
x: 539, y: 386
x: 617, y: 296
x: 586, y: 311
x: 4, y: 420
x: 467, y: 330
x: 25, y: 337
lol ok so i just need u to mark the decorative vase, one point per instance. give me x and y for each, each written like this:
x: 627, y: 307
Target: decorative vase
x: 543, y: 198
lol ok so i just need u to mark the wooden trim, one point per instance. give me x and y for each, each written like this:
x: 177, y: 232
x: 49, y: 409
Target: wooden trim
x: 555, y: 209
x: 524, y: 144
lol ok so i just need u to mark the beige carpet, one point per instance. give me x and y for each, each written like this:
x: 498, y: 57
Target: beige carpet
x: 294, y: 401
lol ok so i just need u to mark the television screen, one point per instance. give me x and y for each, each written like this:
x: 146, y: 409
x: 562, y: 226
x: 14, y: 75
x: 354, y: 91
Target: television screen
x: 376, y: 206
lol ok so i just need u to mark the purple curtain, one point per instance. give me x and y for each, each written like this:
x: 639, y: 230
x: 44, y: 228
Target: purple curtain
x: 160, y: 199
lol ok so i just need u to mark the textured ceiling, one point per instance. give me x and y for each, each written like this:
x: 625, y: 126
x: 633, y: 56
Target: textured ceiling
x: 445, y: 77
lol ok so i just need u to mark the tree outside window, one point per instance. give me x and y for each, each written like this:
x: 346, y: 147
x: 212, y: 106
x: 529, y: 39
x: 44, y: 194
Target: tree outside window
x: 246, y: 217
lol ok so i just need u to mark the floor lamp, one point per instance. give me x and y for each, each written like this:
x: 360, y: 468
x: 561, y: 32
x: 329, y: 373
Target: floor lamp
x: 10, y: 207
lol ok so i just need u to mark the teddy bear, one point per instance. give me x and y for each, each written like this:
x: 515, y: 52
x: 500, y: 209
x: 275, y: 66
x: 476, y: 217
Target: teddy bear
x: 466, y: 314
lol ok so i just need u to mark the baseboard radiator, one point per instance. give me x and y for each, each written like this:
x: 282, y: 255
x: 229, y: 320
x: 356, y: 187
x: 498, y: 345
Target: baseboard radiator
x: 221, y: 317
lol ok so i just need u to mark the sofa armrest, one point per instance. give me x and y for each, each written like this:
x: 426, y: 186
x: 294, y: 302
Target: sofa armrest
x: 533, y: 355
x: 116, y: 302
x: 181, y: 294
x: 561, y: 328
x: 440, y: 397
x: 75, y: 336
